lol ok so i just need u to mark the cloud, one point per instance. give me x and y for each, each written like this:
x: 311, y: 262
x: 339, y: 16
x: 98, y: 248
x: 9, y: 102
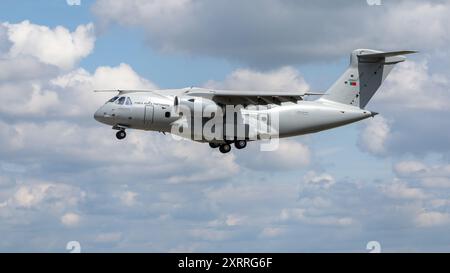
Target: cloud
x: 59, y: 144
x: 434, y: 176
x: 374, y: 136
x: 70, y: 219
x: 406, y: 168
x: 57, y: 46
x: 271, y: 232
x: 76, y: 87
x: 24, y: 68
x: 32, y: 202
x: 71, y: 94
x: 282, y: 79
x: 246, y: 193
x: 36, y: 80
x: 29, y: 100
x: 399, y: 189
x: 297, y: 214
x: 128, y: 198
x: 437, y: 203
x: 290, y: 155
x: 413, y: 86
x: 415, y: 93
x: 67, y: 95
x: 436, y: 182
x: 432, y: 218
x: 34, y: 195
x: 323, y: 180
x: 234, y: 220
x: 207, y: 171
x: 28, y: 197
x: 401, y: 24
x: 281, y: 32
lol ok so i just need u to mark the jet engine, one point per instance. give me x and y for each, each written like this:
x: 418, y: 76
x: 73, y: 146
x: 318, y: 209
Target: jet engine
x: 188, y: 103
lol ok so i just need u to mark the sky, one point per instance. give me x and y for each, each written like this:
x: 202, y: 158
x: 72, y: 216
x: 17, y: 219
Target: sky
x: 64, y: 177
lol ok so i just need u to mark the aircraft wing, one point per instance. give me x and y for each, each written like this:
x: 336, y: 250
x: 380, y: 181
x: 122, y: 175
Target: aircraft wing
x: 248, y: 97
x: 123, y: 91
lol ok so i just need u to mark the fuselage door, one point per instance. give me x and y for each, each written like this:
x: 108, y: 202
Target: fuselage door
x: 148, y: 115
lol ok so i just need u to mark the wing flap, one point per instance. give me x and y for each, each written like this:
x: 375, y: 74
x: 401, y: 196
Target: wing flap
x: 250, y: 97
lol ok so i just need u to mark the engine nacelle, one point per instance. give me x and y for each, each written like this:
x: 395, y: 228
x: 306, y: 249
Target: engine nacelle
x: 188, y: 103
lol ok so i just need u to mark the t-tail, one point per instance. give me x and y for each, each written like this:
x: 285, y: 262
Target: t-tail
x: 367, y: 71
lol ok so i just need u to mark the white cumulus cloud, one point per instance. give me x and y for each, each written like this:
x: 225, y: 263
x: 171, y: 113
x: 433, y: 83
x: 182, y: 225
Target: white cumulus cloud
x: 57, y: 46
x: 374, y: 136
x: 412, y: 85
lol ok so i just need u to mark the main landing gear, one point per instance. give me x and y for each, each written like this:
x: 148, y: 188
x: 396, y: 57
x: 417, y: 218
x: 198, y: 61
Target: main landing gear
x: 214, y: 145
x: 121, y: 134
x: 240, y: 144
x: 226, y: 147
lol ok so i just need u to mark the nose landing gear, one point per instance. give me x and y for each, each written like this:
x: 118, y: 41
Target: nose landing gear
x: 121, y: 134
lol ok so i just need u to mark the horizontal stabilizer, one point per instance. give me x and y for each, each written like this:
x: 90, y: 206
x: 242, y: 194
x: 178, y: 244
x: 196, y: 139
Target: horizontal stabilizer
x: 387, y: 54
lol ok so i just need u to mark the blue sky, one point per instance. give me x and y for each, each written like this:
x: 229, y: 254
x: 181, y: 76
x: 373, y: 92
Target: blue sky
x: 65, y: 177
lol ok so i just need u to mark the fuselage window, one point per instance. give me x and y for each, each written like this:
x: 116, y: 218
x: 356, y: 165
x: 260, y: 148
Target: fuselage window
x: 121, y: 101
x: 113, y: 99
x: 128, y: 101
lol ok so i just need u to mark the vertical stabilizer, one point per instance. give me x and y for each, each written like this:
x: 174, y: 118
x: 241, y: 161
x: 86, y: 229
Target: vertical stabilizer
x: 367, y: 71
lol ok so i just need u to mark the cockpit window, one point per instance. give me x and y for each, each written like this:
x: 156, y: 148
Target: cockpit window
x: 128, y: 101
x: 113, y: 99
x: 121, y: 101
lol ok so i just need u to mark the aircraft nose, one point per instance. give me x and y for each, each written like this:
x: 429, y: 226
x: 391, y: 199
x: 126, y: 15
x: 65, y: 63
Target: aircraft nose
x: 98, y: 115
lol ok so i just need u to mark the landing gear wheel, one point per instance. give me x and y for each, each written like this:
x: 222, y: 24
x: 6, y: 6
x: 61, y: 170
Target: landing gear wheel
x: 214, y: 145
x: 240, y: 144
x: 121, y: 134
x: 225, y: 148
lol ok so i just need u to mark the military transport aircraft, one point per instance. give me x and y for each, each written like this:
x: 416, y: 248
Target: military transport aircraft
x: 225, y: 117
